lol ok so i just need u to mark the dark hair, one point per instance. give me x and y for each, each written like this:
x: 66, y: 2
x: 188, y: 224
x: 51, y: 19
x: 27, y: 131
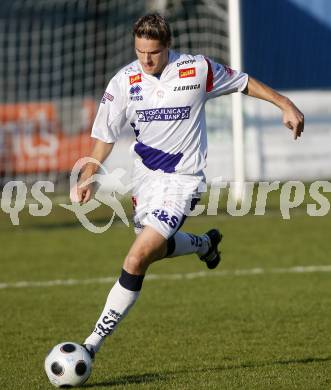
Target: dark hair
x: 153, y: 26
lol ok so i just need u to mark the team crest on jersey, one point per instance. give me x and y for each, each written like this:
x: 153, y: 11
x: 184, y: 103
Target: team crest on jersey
x: 160, y: 94
x: 187, y: 72
x: 135, y: 79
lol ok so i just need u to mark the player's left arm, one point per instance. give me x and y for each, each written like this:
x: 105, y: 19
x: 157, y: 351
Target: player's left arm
x: 293, y: 118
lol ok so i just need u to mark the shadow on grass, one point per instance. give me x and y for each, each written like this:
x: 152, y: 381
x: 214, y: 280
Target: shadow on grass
x: 133, y: 379
x: 56, y: 225
x: 67, y: 224
x: 159, y: 377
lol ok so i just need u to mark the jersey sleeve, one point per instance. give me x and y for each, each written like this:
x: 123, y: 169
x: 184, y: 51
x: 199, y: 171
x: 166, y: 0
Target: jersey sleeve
x: 222, y: 80
x: 111, y: 115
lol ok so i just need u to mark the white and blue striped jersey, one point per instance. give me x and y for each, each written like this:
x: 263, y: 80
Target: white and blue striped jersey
x: 166, y: 114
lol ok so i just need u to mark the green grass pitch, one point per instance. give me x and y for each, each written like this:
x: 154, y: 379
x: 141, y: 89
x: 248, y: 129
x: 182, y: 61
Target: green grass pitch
x: 225, y: 331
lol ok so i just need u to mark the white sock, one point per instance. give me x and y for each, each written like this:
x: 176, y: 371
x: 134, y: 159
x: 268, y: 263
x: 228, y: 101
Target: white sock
x: 186, y: 243
x: 119, y: 301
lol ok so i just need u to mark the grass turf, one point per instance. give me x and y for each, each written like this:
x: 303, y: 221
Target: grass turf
x: 267, y: 331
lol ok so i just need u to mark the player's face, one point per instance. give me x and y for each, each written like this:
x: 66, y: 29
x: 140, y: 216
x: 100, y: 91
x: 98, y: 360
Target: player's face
x: 152, y: 55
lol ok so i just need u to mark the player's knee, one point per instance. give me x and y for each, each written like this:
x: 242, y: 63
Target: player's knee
x: 136, y: 263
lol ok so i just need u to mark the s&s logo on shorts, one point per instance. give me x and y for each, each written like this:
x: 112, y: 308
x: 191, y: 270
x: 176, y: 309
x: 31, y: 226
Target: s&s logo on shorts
x: 163, y: 216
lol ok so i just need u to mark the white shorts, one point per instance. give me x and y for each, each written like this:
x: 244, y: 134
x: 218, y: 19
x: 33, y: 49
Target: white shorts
x: 163, y: 200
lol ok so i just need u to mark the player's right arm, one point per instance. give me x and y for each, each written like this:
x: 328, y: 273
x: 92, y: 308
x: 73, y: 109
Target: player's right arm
x: 109, y: 121
x: 100, y: 152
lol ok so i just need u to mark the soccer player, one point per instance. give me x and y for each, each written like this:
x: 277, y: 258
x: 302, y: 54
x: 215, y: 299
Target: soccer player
x: 162, y: 96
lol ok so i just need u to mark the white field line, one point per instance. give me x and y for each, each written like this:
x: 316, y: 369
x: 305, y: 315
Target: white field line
x: 178, y: 276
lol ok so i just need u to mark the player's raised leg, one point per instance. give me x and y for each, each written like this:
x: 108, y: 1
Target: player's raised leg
x: 168, y: 216
x: 205, y: 246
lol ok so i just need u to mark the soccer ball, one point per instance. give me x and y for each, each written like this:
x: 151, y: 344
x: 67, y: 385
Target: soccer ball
x: 67, y: 365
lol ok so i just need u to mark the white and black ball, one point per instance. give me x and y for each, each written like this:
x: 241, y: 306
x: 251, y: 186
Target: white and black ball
x: 68, y: 365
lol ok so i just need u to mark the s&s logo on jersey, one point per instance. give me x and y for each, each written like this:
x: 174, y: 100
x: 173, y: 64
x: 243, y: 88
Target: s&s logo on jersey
x: 135, y: 79
x: 188, y: 72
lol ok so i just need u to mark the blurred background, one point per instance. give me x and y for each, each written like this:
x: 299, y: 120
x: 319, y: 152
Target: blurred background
x: 57, y: 56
